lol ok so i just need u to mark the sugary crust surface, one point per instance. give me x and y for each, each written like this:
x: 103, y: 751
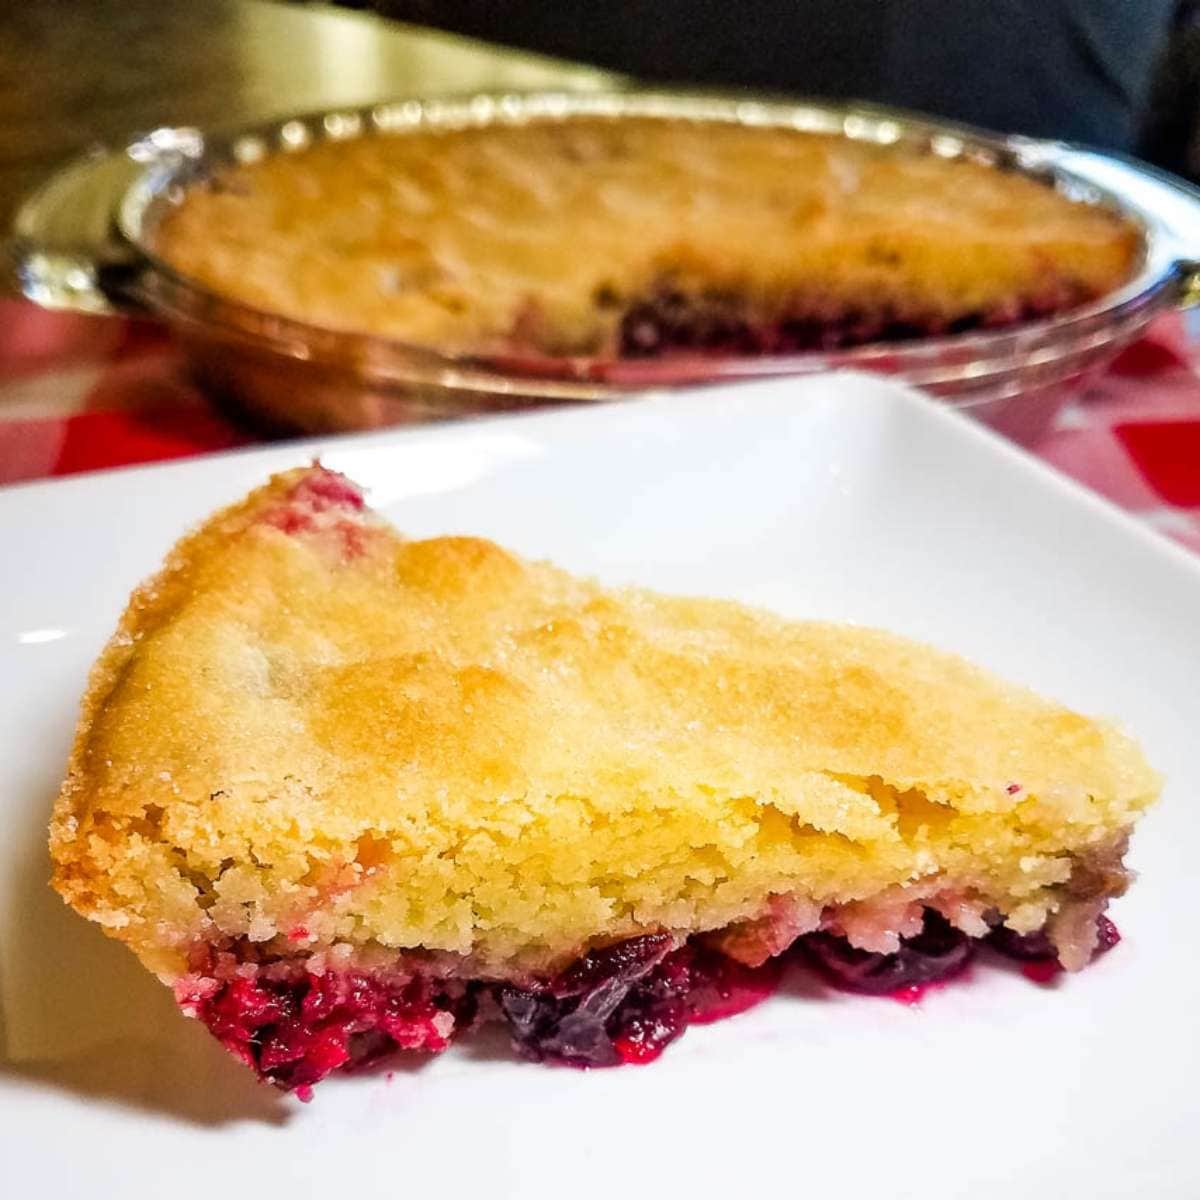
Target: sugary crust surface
x: 310, y: 732
x: 543, y: 235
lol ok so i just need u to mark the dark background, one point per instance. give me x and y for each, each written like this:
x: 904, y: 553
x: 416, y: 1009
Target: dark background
x: 1075, y: 69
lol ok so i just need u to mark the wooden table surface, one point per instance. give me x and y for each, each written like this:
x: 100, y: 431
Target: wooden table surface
x: 77, y: 72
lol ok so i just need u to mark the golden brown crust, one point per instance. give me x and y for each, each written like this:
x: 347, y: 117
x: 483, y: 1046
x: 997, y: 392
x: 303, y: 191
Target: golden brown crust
x: 543, y: 235
x: 311, y: 730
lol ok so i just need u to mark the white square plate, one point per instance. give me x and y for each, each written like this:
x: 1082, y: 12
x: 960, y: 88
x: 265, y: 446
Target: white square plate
x: 840, y: 497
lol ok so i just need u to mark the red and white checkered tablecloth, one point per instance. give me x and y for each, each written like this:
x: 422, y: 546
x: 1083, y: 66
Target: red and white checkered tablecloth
x: 79, y: 393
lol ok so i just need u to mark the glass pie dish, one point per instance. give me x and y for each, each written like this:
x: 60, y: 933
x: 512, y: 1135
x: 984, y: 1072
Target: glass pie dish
x: 85, y: 240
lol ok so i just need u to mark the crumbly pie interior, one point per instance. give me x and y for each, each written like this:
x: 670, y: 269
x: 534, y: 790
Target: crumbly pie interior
x: 637, y: 237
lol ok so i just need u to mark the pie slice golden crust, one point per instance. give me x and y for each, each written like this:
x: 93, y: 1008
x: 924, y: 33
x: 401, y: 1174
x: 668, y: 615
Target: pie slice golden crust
x: 345, y: 791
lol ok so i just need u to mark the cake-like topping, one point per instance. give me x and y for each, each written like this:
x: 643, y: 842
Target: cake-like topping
x: 631, y: 237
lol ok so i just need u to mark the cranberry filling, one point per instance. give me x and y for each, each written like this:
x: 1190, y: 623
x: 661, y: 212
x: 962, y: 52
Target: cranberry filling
x: 936, y: 953
x: 669, y: 317
x: 308, y: 507
x: 620, y: 1004
x: 295, y: 1031
x: 671, y: 320
x: 322, y: 489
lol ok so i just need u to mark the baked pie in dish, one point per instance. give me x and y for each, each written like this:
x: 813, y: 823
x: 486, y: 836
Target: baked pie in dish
x: 606, y: 238
x: 346, y: 792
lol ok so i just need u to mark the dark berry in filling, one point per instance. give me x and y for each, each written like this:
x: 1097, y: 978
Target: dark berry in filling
x: 1108, y: 935
x: 625, y: 1003
x: 936, y: 953
x: 568, y: 1020
x: 673, y: 320
x: 1037, y: 947
x: 1026, y: 947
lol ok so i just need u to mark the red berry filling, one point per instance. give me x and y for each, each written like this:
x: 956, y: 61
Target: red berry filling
x: 295, y: 1031
x: 322, y: 502
x: 619, y: 1004
x: 321, y: 490
x: 670, y: 319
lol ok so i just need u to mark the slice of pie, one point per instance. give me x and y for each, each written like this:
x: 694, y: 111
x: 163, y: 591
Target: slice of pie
x: 346, y: 792
x: 640, y: 237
